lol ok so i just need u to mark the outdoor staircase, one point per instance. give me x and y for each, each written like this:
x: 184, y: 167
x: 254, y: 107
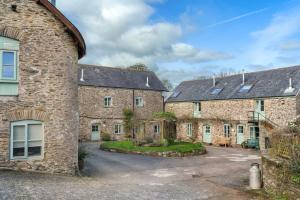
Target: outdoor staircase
x: 256, y: 118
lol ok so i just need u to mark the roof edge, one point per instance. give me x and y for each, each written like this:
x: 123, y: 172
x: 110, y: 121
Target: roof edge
x: 125, y: 88
x: 71, y: 28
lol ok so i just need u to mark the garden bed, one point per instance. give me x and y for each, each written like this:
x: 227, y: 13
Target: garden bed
x: 178, y: 149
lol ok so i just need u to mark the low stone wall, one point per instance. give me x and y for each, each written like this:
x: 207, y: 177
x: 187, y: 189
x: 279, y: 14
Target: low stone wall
x: 276, y: 180
x: 159, y: 154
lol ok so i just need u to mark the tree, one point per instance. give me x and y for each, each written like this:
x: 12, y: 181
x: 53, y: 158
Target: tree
x: 167, y: 83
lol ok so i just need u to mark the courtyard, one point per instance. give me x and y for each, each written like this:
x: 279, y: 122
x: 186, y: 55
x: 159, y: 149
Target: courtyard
x: 222, y: 173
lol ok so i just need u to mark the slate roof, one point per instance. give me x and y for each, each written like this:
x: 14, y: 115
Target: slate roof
x: 270, y: 83
x: 99, y: 76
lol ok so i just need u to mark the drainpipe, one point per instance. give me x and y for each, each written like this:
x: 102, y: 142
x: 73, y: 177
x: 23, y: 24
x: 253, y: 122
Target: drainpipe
x: 133, y: 109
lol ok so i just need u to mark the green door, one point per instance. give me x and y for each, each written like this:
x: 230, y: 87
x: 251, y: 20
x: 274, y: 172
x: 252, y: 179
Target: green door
x: 95, y: 135
x: 207, y: 134
x: 254, y: 137
x: 240, y: 134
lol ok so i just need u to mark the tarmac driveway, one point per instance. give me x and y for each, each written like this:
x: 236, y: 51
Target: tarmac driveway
x: 220, y: 174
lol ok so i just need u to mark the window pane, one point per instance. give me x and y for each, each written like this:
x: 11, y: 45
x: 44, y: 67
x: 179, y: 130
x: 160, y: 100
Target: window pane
x: 8, y: 71
x: 18, y: 149
x: 35, y: 148
x: 35, y: 132
x: 18, y: 133
x: 8, y: 58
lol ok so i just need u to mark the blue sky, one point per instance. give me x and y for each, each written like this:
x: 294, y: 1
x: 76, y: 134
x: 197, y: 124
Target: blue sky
x: 184, y: 39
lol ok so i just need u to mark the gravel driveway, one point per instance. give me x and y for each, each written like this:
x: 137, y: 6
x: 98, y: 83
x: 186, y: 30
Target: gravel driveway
x: 220, y: 174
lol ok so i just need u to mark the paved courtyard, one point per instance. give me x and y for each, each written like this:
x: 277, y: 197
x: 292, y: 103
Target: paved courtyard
x: 220, y: 174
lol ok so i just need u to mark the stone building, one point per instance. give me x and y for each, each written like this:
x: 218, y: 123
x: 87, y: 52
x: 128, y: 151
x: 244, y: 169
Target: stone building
x: 238, y: 108
x: 105, y: 92
x: 39, y: 119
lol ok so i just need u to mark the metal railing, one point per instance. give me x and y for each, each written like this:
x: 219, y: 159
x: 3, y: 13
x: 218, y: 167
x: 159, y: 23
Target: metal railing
x: 254, y: 116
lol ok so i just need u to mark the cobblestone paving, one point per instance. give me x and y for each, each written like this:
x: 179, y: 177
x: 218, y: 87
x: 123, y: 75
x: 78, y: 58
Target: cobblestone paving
x: 221, y: 174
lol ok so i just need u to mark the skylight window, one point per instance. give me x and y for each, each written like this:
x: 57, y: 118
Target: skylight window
x: 216, y: 91
x: 245, y: 88
x: 176, y: 94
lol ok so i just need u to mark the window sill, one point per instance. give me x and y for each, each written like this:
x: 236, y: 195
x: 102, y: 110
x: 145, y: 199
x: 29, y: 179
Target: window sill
x: 33, y: 158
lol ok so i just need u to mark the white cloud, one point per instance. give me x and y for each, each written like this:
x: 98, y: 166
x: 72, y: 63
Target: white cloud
x: 119, y: 33
x: 264, y: 50
x: 290, y: 45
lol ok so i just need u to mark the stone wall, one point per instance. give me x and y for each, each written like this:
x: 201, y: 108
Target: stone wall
x: 234, y: 112
x: 276, y: 180
x: 279, y: 110
x: 92, y: 109
x: 48, y: 91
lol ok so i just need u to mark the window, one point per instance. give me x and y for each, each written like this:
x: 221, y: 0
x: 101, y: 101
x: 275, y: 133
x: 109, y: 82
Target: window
x: 8, y: 66
x: 26, y: 139
x: 260, y: 105
x: 95, y: 128
x: 156, y: 129
x: 176, y: 94
x: 190, y: 130
x: 139, y: 102
x: 216, y: 91
x: 107, y: 102
x: 207, y: 129
x: 240, y: 129
x: 245, y: 88
x: 118, y: 129
x: 197, y: 107
x: 226, y: 130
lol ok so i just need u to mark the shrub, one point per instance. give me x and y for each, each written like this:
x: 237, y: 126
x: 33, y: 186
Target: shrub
x: 148, y: 140
x: 82, y: 154
x: 105, y: 136
x: 165, y: 115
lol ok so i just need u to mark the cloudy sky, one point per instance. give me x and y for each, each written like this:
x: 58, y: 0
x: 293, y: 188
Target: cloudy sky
x: 184, y: 39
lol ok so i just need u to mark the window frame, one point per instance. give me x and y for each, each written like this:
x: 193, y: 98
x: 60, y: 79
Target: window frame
x: 157, y: 129
x: 197, y: 107
x: 94, y: 127
x: 245, y: 88
x: 108, y: 99
x: 140, y: 102
x: 207, y: 127
x: 118, y: 129
x: 26, y: 123
x: 227, y: 130
x: 190, y: 129
x: 15, y: 65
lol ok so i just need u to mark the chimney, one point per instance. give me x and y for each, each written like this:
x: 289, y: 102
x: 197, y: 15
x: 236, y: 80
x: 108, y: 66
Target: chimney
x: 291, y: 84
x: 147, y: 83
x: 214, y: 81
x: 243, y: 73
x: 82, y: 73
x: 53, y: 2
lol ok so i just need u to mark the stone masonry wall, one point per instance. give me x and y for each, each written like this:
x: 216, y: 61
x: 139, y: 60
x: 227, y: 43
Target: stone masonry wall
x: 48, y: 59
x: 233, y: 112
x: 92, y: 108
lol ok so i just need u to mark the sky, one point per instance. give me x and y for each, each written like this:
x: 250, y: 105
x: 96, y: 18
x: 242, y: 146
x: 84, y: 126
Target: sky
x: 184, y: 39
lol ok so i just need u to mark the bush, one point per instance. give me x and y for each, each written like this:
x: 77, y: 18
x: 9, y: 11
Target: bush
x: 148, y: 140
x: 105, y: 137
x: 82, y: 154
x: 165, y: 115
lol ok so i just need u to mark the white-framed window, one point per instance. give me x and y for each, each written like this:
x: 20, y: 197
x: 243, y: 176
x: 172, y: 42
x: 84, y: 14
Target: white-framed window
x: 95, y: 128
x: 197, y: 107
x: 207, y: 129
x: 190, y: 129
x: 118, y: 129
x: 226, y: 130
x: 107, y: 101
x: 156, y: 129
x: 240, y: 129
x: 27, y: 140
x: 139, y: 102
x: 8, y: 65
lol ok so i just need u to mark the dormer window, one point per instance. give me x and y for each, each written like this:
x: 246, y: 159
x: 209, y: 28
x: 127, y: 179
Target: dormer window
x: 245, y: 88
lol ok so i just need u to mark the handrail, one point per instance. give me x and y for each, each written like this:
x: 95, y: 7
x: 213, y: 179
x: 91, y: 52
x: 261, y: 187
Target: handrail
x: 256, y: 116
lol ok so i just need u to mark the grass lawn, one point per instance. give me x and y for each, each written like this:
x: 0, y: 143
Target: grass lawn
x: 180, y: 147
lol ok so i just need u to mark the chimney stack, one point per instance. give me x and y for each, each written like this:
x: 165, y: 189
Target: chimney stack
x: 82, y: 73
x: 243, y: 83
x: 147, y: 83
x: 290, y: 84
x: 214, y: 81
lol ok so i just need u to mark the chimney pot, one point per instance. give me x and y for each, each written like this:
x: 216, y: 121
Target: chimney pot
x: 82, y: 74
x: 214, y: 81
x: 147, y: 83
